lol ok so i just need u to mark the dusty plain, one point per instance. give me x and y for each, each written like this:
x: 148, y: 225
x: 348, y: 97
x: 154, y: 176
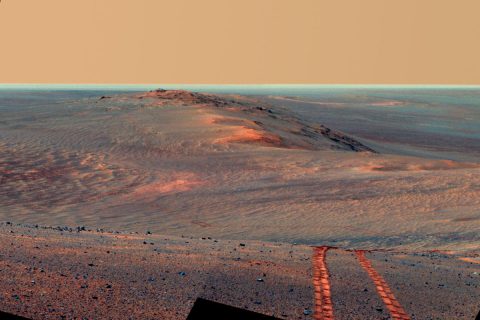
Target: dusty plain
x: 123, y: 205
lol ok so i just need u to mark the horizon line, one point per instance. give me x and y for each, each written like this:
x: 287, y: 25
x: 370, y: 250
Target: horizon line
x: 234, y: 84
x: 86, y: 86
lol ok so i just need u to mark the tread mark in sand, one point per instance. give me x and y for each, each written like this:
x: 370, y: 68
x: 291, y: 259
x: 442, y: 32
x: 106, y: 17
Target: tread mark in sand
x: 383, y: 290
x: 323, y: 297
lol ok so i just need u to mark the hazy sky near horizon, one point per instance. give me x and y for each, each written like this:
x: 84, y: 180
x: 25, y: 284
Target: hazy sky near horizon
x: 240, y: 41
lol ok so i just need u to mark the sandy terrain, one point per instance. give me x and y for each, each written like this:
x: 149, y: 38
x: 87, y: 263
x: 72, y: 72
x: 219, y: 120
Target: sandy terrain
x: 176, y: 162
x: 204, y: 173
x: 48, y: 274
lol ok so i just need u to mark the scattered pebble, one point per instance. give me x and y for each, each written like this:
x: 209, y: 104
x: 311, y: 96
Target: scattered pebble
x: 307, y: 312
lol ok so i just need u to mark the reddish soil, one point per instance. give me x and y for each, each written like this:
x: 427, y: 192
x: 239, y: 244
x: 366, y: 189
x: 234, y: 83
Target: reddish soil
x: 384, y: 291
x: 249, y: 135
x: 74, y: 273
x: 323, y: 296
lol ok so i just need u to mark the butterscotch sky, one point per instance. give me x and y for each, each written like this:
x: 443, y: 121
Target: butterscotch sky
x: 240, y: 41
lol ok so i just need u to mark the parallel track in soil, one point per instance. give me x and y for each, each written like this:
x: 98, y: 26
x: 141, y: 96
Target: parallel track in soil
x: 323, y: 297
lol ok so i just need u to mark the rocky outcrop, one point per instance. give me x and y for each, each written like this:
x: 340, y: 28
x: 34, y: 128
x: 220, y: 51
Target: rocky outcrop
x: 267, y: 125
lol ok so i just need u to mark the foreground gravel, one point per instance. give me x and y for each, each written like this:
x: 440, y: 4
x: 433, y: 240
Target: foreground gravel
x: 77, y: 273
